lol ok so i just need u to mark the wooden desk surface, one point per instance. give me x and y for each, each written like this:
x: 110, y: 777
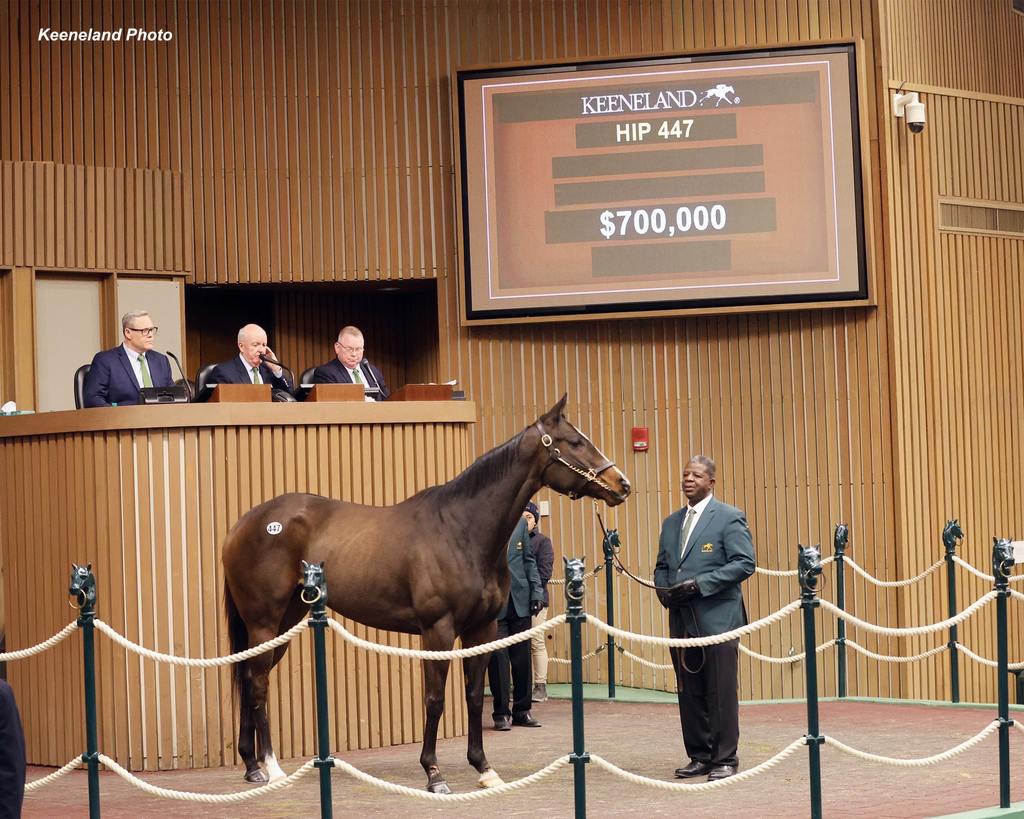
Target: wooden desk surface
x: 227, y: 414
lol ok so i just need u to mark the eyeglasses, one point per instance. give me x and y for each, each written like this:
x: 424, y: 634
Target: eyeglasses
x: 146, y: 331
x: 352, y: 350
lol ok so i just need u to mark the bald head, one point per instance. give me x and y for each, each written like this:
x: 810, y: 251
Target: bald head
x: 252, y: 343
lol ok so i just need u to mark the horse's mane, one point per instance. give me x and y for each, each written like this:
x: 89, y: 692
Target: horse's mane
x: 478, y: 475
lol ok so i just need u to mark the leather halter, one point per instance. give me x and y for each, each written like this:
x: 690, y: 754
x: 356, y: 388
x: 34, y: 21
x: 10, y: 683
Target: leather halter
x: 589, y: 474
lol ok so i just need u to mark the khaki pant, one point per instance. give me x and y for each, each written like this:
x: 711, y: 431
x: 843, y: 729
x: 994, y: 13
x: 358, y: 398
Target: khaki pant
x: 540, y: 649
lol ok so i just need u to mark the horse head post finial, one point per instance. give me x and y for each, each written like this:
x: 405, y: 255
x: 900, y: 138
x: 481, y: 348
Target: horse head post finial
x: 951, y: 535
x: 611, y: 543
x: 314, y: 585
x: 83, y: 590
x: 808, y: 569
x: 1002, y: 562
x: 574, y: 572
x: 840, y: 538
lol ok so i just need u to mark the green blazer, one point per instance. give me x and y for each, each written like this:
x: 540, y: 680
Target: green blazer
x: 720, y: 557
x: 522, y: 565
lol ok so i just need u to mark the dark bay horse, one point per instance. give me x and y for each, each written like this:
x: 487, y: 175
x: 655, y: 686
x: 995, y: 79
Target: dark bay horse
x: 433, y: 565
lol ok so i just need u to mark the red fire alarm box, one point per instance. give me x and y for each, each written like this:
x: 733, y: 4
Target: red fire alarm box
x: 640, y: 439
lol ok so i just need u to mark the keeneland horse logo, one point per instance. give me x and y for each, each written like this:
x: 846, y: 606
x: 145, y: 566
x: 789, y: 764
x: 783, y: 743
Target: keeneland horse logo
x: 720, y: 93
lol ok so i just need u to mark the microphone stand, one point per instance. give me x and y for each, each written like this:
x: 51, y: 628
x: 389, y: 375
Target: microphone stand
x: 188, y: 387
x: 266, y: 359
x: 376, y: 383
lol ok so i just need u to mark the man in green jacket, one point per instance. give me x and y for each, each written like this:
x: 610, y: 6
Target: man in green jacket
x: 704, y: 554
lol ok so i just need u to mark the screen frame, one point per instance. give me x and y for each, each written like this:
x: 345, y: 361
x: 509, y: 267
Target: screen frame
x: 862, y: 296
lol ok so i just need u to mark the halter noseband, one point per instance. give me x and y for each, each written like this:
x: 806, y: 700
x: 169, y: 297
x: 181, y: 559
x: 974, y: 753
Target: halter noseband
x: 589, y: 475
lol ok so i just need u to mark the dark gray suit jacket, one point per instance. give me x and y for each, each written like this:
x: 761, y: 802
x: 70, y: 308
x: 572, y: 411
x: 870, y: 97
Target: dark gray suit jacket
x: 525, y: 577
x: 720, y: 557
x: 232, y: 372
x: 333, y: 372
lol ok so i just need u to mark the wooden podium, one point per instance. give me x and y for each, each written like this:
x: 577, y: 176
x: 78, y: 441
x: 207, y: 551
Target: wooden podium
x: 336, y: 392
x: 240, y: 393
x: 423, y: 392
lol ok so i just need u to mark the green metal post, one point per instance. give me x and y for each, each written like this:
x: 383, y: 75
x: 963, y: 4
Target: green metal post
x: 611, y: 540
x: 950, y: 535
x: 1002, y: 565
x: 809, y: 571
x: 839, y: 540
x: 83, y: 587
x: 314, y: 592
x: 575, y: 617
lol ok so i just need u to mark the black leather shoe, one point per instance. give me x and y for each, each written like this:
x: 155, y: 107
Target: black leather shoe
x: 525, y: 720
x: 503, y: 723
x: 695, y: 768
x: 722, y: 772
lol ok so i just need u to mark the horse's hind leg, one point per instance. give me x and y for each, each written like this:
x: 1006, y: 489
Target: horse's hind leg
x: 474, y: 668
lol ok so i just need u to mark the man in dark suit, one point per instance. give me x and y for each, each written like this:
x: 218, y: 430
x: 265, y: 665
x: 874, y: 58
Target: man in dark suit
x: 704, y: 554
x: 525, y: 598
x: 12, y: 755
x: 249, y: 366
x: 350, y: 365
x: 116, y: 375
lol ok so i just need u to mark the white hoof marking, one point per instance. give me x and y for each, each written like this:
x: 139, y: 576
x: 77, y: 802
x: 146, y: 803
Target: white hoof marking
x: 274, y: 769
x: 489, y: 779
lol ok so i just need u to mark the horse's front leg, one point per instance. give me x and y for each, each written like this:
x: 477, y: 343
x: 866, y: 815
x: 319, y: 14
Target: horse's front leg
x: 435, y: 675
x: 474, y: 668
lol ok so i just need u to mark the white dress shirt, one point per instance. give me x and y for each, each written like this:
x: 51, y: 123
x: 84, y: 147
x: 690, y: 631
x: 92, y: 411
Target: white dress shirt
x: 698, y: 509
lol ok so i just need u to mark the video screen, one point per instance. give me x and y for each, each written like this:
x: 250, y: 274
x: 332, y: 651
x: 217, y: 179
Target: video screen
x: 661, y: 184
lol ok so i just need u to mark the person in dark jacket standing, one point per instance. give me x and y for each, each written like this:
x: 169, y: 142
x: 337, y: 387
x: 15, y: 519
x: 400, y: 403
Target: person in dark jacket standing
x: 704, y: 554
x: 524, y: 599
x: 12, y: 755
x: 540, y: 545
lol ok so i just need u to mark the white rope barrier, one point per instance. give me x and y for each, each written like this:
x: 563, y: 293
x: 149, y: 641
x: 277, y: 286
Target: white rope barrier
x: 978, y: 573
x: 202, y: 662
x: 472, y: 796
x: 642, y: 661
x: 985, y: 661
x: 453, y: 654
x: 688, y: 642
x: 682, y: 787
x: 563, y: 661
x: 795, y: 658
x: 895, y: 658
x: 1016, y: 595
x: 561, y: 581
x: 21, y: 654
x: 206, y: 798
x: 915, y: 763
x: 984, y: 600
x: 43, y: 781
x: 892, y: 584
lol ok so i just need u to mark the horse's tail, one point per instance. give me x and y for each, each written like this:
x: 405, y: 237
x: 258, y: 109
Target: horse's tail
x: 238, y: 635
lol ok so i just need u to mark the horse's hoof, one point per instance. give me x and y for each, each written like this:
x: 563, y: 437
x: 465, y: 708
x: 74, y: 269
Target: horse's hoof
x: 439, y: 787
x: 489, y: 779
x: 257, y: 777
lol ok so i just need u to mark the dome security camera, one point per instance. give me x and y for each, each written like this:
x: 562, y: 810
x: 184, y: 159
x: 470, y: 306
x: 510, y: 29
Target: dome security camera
x: 909, y: 107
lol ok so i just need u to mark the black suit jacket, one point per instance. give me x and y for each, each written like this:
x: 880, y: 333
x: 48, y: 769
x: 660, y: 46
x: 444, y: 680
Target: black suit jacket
x: 334, y: 372
x: 232, y: 372
x: 111, y: 378
x: 526, y: 586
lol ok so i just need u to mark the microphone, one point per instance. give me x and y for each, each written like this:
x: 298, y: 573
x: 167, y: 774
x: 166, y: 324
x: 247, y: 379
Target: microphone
x: 188, y: 387
x: 267, y: 359
x: 365, y: 363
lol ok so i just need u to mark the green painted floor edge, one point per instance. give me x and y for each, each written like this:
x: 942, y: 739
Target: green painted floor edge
x: 1016, y: 810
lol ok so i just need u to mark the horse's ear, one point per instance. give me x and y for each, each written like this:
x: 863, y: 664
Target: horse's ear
x: 556, y: 411
x: 88, y: 567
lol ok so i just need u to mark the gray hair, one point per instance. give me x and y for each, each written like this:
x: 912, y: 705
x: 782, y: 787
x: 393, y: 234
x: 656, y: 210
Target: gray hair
x: 349, y: 330
x: 247, y: 330
x: 707, y: 463
x: 130, y: 316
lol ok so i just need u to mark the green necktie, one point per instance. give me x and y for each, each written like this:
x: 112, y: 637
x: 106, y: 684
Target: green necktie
x: 687, y: 526
x: 256, y: 376
x: 146, y: 380
x: 356, y: 377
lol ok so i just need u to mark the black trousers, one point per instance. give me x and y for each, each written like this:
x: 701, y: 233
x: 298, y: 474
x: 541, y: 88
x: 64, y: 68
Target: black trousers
x: 709, y: 701
x: 520, y: 683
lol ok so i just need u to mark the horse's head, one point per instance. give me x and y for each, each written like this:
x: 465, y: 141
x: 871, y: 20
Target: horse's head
x: 808, y: 566
x: 574, y: 574
x: 951, y: 533
x: 575, y: 467
x: 83, y: 585
x: 1002, y: 558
